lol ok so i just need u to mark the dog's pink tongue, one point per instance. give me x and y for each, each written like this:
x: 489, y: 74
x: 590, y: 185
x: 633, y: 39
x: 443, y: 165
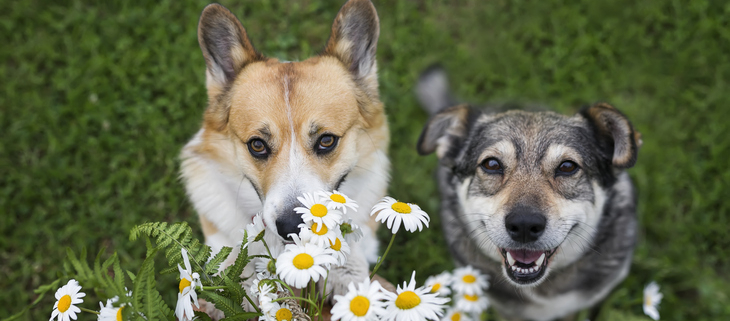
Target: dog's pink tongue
x: 525, y: 256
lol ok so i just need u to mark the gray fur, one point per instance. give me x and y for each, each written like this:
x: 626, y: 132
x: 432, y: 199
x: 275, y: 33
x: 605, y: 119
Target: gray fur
x: 602, y: 248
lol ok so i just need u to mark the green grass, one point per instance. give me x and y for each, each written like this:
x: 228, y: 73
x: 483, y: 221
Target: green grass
x: 98, y: 98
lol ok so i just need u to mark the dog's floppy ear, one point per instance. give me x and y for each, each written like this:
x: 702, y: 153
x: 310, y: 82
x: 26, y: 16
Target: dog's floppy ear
x: 354, y: 40
x: 615, y: 134
x: 445, y: 132
x: 225, y: 46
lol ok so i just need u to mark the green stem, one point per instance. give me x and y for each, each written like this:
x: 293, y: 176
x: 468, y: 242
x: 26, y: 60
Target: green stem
x: 87, y: 310
x: 380, y: 259
x: 251, y: 302
x: 267, y: 248
x: 211, y: 288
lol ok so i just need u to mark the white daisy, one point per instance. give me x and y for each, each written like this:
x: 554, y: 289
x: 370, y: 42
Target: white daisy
x: 338, y: 201
x: 110, y: 312
x: 351, y: 231
x: 340, y: 250
x: 468, y: 280
x: 472, y: 303
x: 652, y: 298
x: 316, y: 211
x: 392, y: 211
x: 440, y: 283
x: 302, y: 262
x: 456, y: 315
x: 66, y: 299
x: 255, y: 231
x: 188, y: 282
x: 317, y: 234
x: 277, y: 312
x: 413, y: 304
x: 360, y: 304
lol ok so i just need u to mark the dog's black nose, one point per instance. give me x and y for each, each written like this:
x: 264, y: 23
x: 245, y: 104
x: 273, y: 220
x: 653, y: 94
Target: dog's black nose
x: 525, y: 224
x: 288, y: 223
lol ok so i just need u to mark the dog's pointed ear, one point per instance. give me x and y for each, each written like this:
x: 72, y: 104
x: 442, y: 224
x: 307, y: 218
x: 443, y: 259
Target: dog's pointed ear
x: 354, y: 40
x: 615, y: 134
x: 225, y: 46
x: 445, y: 132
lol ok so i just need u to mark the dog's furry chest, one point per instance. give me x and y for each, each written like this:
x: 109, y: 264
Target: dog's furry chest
x: 568, y: 289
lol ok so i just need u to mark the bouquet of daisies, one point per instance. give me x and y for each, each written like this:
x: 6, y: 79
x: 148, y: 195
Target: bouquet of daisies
x: 261, y: 278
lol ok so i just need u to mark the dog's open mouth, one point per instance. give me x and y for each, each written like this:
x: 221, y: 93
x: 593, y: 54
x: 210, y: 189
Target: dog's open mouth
x: 525, y: 266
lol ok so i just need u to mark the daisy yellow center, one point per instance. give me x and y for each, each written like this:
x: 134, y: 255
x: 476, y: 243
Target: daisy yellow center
x: 184, y: 283
x: 359, y: 306
x: 283, y: 314
x: 318, y: 210
x: 472, y: 298
x: 337, y: 246
x: 401, y: 207
x: 64, y: 303
x: 407, y: 300
x: 321, y: 231
x: 435, y: 287
x: 338, y: 198
x: 119, y: 314
x: 648, y: 300
x: 303, y: 261
x: 469, y: 278
x: 456, y: 317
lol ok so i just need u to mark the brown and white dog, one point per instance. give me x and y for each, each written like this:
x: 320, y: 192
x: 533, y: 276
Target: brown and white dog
x: 276, y: 129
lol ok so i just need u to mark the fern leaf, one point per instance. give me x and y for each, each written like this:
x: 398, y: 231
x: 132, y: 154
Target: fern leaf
x: 224, y: 304
x: 212, y: 266
x: 173, y: 238
x: 234, y: 271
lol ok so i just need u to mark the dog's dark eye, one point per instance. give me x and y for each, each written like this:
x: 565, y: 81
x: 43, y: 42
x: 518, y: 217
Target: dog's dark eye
x: 258, y: 148
x: 567, y: 168
x: 492, y: 166
x: 326, y: 144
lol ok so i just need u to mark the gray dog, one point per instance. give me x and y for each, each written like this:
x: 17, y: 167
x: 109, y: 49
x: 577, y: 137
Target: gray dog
x: 539, y: 201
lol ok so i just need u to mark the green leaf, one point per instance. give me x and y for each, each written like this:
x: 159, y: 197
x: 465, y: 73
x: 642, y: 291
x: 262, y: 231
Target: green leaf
x: 173, y: 238
x: 234, y: 271
x: 145, y: 296
x: 212, y: 266
x: 226, y: 305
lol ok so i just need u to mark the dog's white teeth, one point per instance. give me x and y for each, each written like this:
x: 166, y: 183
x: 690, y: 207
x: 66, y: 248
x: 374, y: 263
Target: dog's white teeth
x: 540, y: 260
x: 510, y: 259
x: 514, y: 268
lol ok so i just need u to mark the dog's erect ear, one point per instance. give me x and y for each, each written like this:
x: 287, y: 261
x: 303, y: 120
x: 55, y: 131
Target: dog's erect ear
x: 354, y: 41
x: 445, y: 132
x: 225, y: 46
x: 615, y: 134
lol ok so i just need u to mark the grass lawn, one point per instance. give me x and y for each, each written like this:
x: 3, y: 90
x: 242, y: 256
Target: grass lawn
x: 97, y: 99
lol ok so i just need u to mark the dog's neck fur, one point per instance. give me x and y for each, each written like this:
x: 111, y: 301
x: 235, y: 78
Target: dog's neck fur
x: 567, y: 290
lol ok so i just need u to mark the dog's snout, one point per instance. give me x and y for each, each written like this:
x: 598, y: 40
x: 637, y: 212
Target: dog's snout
x: 525, y: 224
x: 287, y: 224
